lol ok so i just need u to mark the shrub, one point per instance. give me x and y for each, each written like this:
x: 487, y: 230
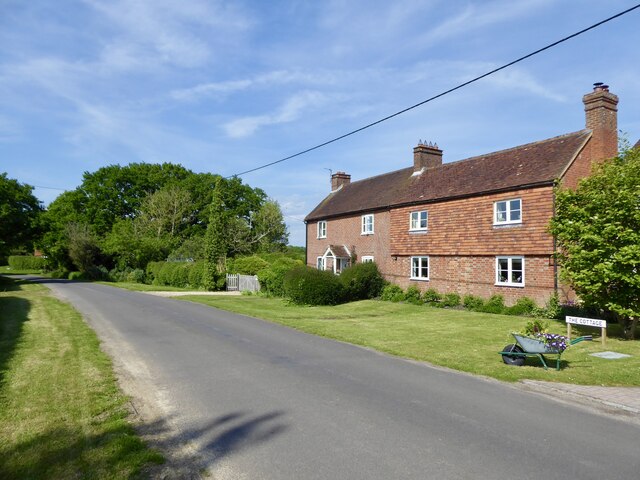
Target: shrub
x: 362, y: 281
x: 153, y: 270
x: 26, y: 262
x: 272, y: 278
x: 451, y: 300
x: 135, y: 276
x: 59, y: 274
x: 392, y: 293
x: 551, y: 310
x: 196, y: 274
x: 495, y: 304
x: 523, y: 306
x: 473, y: 303
x: 431, y: 297
x: 77, y: 276
x: 247, y: 265
x: 412, y: 295
x: 309, y: 286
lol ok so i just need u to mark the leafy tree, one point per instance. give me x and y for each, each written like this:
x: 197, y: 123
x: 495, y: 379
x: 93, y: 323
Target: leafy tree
x: 19, y: 216
x: 83, y: 248
x: 216, y: 239
x: 597, y: 227
x: 166, y: 210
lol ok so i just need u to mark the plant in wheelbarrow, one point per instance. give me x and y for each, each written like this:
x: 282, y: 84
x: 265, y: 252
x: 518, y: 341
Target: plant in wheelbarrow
x: 535, y: 341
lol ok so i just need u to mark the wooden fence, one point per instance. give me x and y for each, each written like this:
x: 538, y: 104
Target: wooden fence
x: 243, y: 283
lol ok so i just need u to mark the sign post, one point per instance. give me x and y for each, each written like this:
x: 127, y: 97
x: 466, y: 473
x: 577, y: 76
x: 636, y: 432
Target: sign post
x: 589, y: 322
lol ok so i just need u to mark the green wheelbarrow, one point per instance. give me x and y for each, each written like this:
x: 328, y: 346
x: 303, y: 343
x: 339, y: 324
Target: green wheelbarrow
x: 516, y: 354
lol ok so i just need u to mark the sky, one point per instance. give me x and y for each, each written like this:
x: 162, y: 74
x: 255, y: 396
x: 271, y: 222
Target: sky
x: 224, y: 87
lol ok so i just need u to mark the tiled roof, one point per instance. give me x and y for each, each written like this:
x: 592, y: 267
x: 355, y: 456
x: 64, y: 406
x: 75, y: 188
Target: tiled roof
x: 531, y: 164
x: 339, y: 251
x: 637, y: 145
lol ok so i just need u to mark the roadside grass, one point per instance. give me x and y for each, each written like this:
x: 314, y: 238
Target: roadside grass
x: 457, y: 339
x: 7, y: 270
x: 142, y: 287
x: 62, y: 414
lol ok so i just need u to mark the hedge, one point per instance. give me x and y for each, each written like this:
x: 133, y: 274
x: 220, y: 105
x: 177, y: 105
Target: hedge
x: 26, y: 262
x: 309, y: 286
x: 362, y: 281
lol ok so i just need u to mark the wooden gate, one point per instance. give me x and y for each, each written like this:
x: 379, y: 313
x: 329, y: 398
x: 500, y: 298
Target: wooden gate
x: 243, y: 283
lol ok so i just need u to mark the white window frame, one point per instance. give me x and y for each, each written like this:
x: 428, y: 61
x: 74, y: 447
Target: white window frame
x: 367, y: 259
x: 367, y: 224
x: 420, y: 260
x: 322, y: 229
x: 509, y: 282
x: 321, y: 264
x: 415, y: 223
x: 508, y: 211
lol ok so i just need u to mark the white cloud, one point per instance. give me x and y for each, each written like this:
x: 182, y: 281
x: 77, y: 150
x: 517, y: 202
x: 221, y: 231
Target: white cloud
x: 288, y: 112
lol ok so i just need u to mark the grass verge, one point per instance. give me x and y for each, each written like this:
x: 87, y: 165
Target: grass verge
x: 457, y: 339
x: 62, y: 414
x: 142, y: 287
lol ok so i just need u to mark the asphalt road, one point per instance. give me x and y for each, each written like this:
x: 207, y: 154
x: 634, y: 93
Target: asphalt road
x: 254, y: 400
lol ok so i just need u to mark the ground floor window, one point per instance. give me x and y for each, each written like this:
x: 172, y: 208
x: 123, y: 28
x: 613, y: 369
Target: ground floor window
x: 320, y: 263
x: 510, y: 271
x: 420, y: 268
x: 367, y: 259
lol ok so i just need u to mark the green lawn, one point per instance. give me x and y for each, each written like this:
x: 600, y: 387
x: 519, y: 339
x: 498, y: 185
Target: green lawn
x: 61, y: 412
x: 7, y: 270
x: 458, y: 339
x: 141, y: 287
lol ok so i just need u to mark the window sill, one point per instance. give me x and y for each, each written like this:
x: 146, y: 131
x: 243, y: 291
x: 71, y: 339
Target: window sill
x: 418, y: 231
x: 421, y: 279
x: 513, y: 285
x: 366, y: 234
x: 507, y: 225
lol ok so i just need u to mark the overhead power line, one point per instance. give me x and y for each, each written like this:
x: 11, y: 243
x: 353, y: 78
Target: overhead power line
x: 446, y: 92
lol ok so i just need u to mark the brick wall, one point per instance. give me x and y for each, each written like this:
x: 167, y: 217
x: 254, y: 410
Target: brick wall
x: 347, y: 231
x: 476, y: 275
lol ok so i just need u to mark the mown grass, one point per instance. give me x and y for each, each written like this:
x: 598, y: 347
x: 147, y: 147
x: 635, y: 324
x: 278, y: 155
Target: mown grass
x: 457, y: 339
x: 7, y: 270
x: 142, y: 287
x: 61, y: 412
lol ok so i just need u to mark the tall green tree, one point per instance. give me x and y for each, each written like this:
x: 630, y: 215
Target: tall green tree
x: 597, y: 227
x: 19, y: 216
x: 217, y: 237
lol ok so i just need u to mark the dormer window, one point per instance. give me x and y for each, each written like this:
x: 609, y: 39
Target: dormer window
x: 322, y: 229
x: 367, y: 224
x: 507, y: 212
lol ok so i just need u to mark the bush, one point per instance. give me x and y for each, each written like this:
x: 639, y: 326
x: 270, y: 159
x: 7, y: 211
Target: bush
x: 431, y: 297
x: 272, y: 278
x: 59, y: 274
x: 412, y: 295
x: 551, y: 310
x: 26, y: 262
x: 523, y: 306
x: 473, y: 303
x: 247, y: 265
x: 392, y: 293
x: 362, y: 281
x: 153, y: 270
x: 77, y: 276
x: 196, y: 274
x: 451, y: 300
x: 177, y: 274
x: 495, y: 304
x: 309, y: 286
x: 136, y: 276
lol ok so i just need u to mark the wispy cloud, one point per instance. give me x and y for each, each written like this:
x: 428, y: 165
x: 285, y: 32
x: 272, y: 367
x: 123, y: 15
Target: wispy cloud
x: 264, y: 80
x: 9, y: 130
x: 288, y: 112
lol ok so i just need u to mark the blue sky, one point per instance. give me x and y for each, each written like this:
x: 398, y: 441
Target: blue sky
x: 224, y: 87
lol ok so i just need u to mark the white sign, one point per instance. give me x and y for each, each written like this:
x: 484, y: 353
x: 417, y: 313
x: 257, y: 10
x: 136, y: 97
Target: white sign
x: 590, y: 322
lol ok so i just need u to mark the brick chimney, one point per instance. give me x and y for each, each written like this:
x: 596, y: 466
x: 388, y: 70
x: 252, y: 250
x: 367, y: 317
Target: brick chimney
x: 426, y: 156
x: 601, y: 109
x: 339, y: 179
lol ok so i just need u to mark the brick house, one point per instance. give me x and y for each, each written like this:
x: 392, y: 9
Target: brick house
x: 475, y: 226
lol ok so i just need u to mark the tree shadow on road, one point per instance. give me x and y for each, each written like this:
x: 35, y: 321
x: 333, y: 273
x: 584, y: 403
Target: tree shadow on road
x: 191, y: 451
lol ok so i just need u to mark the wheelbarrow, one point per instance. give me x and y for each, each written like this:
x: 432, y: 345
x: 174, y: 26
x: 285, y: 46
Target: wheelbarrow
x: 516, y: 354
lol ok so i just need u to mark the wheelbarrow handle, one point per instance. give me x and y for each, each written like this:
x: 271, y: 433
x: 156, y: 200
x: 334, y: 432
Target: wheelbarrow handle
x: 585, y: 338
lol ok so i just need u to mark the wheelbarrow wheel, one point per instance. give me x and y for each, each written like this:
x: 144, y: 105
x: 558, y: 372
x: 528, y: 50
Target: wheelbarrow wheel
x: 516, y: 360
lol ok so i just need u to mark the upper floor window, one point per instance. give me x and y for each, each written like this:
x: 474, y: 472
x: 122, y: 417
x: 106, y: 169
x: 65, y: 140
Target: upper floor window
x: 510, y: 271
x: 418, y: 220
x: 420, y: 268
x: 322, y: 229
x: 507, y: 211
x: 367, y: 224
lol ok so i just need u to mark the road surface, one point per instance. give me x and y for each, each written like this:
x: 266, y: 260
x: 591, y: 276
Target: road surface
x: 247, y: 399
